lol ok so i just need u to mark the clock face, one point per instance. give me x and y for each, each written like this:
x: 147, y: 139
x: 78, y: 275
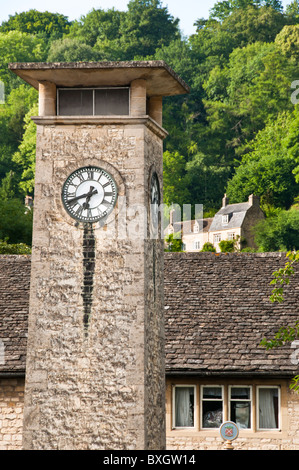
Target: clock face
x: 155, y: 200
x: 89, y: 194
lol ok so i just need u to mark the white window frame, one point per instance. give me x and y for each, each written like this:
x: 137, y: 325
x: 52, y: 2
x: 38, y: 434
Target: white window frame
x: 231, y: 236
x: 210, y: 399
x: 217, y: 237
x: 195, y: 243
x: 225, y: 219
x: 194, y: 406
x: 196, y: 228
x: 257, y: 408
x: 250, y: 400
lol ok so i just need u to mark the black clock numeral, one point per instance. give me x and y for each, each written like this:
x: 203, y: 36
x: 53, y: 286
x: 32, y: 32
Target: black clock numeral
x: 90, y: 174
x: 81, y: 177
x: 79, y: 211
x: 109, y: 194
x: 106, y: 203
x: 106, y: 184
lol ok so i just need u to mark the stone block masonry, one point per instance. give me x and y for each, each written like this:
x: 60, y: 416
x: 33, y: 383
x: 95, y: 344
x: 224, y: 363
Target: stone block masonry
x: 94, y: 373
x: 11, y: 413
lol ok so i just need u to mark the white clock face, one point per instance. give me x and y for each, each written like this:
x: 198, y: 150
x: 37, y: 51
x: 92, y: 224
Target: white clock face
x: 89, y: 194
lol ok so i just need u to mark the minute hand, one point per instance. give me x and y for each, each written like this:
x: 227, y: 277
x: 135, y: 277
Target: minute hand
x: 87, y: 195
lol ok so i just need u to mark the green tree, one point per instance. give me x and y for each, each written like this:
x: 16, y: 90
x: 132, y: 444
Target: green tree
x: 175, y: 190
x: 173, y: 243
x: 208, y: 246
x: 98, y: 25
x: 72, y: 50
x: 24, y: 157
x: 16, y: 46
x: 44, y: 24
x: 227, y: 246
x: 16, y: 222
x: 267, y: 170
x: 278, y: 233
x: 12, y: 115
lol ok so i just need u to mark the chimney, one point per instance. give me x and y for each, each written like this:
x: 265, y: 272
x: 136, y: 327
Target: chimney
x: 254, y: 200
x: 171, y: 216
x: 224, y: 201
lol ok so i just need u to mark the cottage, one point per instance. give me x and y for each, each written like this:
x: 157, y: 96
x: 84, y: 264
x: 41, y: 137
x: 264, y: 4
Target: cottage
x: 231, y: 222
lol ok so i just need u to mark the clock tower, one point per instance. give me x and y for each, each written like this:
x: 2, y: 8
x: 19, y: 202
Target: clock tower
x: 95, y: 355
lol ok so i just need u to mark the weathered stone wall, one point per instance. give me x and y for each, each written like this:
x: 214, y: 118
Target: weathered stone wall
x: 86, y: 387
x: 11, y: 413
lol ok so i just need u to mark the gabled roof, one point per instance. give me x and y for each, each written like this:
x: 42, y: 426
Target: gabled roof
x: 217, y: 310
x: 236, y: 212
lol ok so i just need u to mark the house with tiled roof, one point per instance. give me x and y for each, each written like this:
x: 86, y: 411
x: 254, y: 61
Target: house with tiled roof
x: 231, y: 222
x: 217, y: 310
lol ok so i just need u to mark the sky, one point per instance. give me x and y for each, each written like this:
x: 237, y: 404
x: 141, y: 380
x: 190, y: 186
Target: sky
x: 188, y: 11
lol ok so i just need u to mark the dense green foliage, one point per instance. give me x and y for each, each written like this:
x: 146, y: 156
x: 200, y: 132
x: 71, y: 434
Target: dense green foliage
x: 236, y: 132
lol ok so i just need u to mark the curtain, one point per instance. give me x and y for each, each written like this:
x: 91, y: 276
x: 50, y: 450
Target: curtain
x: 184, y: 400
x: 267, y: 419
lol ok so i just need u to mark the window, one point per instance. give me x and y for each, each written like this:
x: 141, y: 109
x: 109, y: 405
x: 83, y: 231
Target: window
x: 217, y: 237
x: 212, y: 406
x: 268, y: 407
x: 240, y: 406
x: 254, y: 408
x: 196, y: 228
x: 225, y: 219
x: 231, y: 236
x: 196, y: 245
x: 184, y: 405
x: 92, y: 101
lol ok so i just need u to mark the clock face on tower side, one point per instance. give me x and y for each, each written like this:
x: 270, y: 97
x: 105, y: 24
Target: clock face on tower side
x: 89, y: 194
x: 155, y: 199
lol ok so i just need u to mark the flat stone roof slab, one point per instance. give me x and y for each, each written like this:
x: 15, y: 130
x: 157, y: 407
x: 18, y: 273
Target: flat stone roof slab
x: 161, y: 79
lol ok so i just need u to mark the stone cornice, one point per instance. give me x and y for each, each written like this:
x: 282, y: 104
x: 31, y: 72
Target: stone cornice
x: 101, y: 120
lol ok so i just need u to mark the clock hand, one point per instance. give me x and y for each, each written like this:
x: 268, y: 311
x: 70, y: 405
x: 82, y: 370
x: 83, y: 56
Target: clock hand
x: 87, y: 195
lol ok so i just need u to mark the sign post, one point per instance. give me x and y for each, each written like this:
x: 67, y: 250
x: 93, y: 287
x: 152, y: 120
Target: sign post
x: 229, y: 431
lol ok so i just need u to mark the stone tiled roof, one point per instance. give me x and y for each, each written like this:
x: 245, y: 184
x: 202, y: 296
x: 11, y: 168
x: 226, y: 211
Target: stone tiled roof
x: 217, y: 310
x: 236, y: 212
x: 14, y: 300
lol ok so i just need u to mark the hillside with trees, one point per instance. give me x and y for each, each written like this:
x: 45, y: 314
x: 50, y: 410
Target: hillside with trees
x: 236, y: 132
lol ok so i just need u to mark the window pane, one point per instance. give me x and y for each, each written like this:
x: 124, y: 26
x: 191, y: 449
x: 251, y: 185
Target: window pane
x: 112, y: 101
x: 75, y: 102
x: 240, y: 413
x: 184, y: 406
x: 240, y: 392
x: 212, y: 414
x: 212, y: 392
x: 268, y: 408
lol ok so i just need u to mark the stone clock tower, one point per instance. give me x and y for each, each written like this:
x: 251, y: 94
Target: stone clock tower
x: 95, y: 374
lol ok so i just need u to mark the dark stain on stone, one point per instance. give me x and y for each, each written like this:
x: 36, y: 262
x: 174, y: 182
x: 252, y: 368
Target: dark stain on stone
x: 88, y: 272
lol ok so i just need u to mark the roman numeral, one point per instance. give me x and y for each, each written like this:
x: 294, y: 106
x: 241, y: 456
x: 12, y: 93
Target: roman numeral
x: 81, y: 177
x: 79, y: 211
x: 109, y: 194
x: 90, y: 174
x: 106, y: 203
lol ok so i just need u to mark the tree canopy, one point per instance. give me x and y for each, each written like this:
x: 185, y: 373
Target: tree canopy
x: 237, y: 130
